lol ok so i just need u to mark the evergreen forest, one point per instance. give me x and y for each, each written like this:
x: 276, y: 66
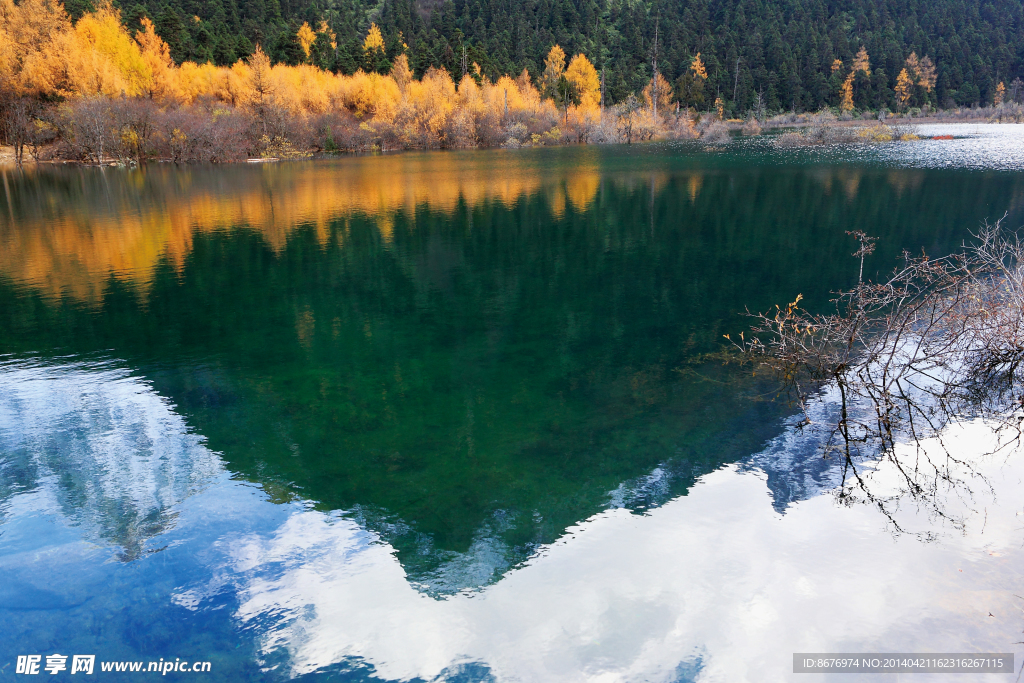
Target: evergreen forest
x: 779, y: 55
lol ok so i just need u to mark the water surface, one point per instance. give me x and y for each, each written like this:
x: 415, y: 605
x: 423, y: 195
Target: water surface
x: 447, y: 415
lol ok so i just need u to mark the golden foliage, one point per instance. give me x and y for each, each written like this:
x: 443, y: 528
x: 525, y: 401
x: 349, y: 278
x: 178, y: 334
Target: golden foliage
x: 306, y: 38
x: 374, y: 40
x: 847, y: 89
x: 26, y: 31
x: 913, y: 66
x: 664, y: 92
x: 73, y: 248
x: 96, y: 56
x: 861, y: 61
x: 697, y: 67
x: 109, y: 61
x: 401, y: 72
x: 904, y: 88
x: 157, y: 56
x: 837, y: 65
x: 1000, y: 94
x: 587, y: 84
x: 554, y: 67
x: 921, y: 71
x: 259, y: 78
x: 42, y: 53
x: 927, y: 77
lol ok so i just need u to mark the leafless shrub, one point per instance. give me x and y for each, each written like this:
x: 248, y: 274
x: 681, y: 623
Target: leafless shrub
x: 823, y: 130
x: 191, y: 135
x: 43, y: 134
x: 901, y: 130
x: 751, y: 127
x: 940, y: 340
x: 489, y: 129
x: 133, y: 124
x: 273, y: 131
x: 716, y: 134
x: 85, y: 129
x: 632, y: 121
x: 1008, y: 112
x: 339, y: 131
x: 679, y: 126
x: 515, y: 134
x: 401, y: 132
x: 578, y: 128
x: 712, y: 131
x: 17, y: 116
x: 459, y: 130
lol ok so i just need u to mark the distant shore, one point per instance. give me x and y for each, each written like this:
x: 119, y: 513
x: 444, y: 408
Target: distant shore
x: 787, y: 121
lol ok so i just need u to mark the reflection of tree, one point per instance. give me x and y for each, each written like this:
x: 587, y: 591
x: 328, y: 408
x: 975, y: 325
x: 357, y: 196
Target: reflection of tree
x: 940, y: 340
x: 491, y: 358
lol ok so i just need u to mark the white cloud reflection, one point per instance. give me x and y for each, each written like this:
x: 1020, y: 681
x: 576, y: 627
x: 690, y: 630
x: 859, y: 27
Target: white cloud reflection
x: 96, y: 445
x: 717, y: 580
x: 717, y: 576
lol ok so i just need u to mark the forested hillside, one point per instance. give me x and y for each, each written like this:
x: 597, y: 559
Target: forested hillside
x: 784, y: 50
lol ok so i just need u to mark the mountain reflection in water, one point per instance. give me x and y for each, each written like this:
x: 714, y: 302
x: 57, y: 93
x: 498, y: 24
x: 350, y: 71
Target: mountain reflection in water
x: 435, y: 414
x: 715, y: 583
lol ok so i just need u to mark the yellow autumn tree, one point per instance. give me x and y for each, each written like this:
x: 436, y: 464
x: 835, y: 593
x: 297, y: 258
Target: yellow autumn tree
x: 697, y: 67
x: 926, y: 74
x: 162, y: 85
x: 372, y: 95
x: 374, y: 40
x: 861, y: 62
x: 904, y: 89
x: 554, y: 67
x: 401, y: 72
x: 921, y: 71
x: 664, y: 93
x: 846, y: 104
x: 1000, y: 94
x: 428, y: 104
x: 306, y: 37
x: 583, y: 77
x: 106, y: 60
x: 29, y: 31
x: 260, y: 88
x: 913, y: 66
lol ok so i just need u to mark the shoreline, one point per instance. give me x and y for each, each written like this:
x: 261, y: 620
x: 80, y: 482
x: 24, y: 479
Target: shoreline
x: 7, y: 159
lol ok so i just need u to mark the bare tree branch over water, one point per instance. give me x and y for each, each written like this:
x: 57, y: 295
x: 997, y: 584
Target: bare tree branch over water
x: 940, y: 341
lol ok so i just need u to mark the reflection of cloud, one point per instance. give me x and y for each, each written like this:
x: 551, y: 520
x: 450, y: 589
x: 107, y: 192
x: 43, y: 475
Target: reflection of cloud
x: 98, y: 447
x: 716, y: 577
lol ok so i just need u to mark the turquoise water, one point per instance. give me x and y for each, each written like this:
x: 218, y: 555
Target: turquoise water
x: 446, y: 416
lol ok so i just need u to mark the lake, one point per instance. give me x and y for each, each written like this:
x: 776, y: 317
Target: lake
x: 457, y: 416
